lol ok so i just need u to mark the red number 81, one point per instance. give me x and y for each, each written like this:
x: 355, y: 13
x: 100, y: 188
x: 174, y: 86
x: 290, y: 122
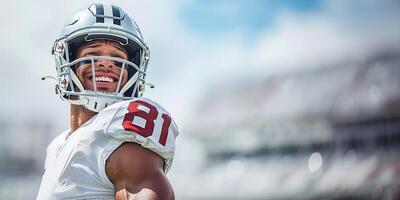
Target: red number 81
x: 147, y: 131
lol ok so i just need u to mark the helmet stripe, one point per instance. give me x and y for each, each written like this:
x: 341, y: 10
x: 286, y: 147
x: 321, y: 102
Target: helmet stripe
x: 99, y: 11
x: 108, y: 13
x: 116, y: 13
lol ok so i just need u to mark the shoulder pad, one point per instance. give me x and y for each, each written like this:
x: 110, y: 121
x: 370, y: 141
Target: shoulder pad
x: 145, y: 122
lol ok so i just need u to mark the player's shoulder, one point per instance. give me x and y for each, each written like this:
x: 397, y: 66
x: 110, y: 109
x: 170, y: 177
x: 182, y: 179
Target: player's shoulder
x: 122, y: 106
x: 137, y: 115
x: 142, y: 121
x: 135, y: 101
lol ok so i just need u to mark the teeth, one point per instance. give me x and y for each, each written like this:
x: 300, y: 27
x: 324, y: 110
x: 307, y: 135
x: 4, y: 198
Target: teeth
x: 104, y: 79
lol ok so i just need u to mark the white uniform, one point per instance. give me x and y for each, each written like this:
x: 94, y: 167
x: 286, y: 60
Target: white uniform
x: 75, y: 165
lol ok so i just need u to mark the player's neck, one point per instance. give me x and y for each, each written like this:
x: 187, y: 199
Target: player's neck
x: 78, y: 116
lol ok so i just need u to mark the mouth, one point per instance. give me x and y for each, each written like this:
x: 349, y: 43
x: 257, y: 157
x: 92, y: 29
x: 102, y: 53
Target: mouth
x: 103, y: 79
x: 104, y: 82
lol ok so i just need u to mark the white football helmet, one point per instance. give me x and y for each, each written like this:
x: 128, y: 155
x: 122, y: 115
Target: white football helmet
x: 100, y: 21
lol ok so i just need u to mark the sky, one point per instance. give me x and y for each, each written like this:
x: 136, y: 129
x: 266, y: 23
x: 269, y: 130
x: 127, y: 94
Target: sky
x: 195, y: 44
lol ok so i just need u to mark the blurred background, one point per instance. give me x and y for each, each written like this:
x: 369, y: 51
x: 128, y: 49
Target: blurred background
x: 275, y: 99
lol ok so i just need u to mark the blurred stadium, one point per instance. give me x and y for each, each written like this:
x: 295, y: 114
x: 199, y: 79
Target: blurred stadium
x: 328, y: 133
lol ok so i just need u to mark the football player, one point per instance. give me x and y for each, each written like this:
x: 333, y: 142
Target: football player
x: 119, y: 145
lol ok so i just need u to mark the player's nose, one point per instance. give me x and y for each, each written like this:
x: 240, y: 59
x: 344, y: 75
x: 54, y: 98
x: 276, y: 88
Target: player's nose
x: 105, y: 64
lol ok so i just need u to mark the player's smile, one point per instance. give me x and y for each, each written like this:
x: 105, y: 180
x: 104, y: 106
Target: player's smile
x: 107, y: 72
x: 106, y: 80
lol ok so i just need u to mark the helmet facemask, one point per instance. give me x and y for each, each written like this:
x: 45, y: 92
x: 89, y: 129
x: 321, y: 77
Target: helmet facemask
x: 85, y: 28
x: 127, y: 83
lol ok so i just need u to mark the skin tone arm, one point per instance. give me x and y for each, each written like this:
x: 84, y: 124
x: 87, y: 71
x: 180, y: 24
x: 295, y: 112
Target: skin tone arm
x: 137, y: 173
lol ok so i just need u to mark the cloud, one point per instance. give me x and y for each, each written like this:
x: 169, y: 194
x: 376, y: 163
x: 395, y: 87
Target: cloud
x: 335, y: 33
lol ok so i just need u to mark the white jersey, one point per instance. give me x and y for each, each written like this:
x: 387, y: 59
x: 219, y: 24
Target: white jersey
x: 75, y: 165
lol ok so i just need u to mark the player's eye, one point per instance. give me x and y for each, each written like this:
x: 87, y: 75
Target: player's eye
x: 118, y: 56
x: 83, y: 62
x: 89, y: 54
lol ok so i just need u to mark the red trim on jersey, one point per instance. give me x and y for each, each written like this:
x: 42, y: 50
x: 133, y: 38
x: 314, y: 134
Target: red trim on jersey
x: 164, y: 130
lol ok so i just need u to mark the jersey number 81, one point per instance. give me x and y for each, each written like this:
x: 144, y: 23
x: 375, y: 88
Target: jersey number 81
x: 150, y: 117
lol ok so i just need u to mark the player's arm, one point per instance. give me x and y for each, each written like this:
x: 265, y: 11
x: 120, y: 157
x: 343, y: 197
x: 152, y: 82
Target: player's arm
x: 137, y: 173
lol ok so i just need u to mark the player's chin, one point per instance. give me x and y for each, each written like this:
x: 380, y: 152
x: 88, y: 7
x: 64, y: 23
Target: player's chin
x: 102, y: 87
x: 106, y: 89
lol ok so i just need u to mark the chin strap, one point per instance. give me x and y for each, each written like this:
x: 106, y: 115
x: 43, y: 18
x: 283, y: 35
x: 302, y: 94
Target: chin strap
x: 96, y: 103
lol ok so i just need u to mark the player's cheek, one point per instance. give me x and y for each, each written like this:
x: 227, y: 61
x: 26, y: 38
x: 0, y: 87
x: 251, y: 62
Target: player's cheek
x: 81, y: 71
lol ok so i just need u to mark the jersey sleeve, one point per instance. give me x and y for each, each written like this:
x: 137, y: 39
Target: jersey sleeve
x: 144, y: 122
